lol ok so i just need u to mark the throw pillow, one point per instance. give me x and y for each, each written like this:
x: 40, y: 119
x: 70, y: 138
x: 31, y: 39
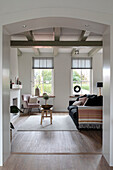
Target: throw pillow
x: 77, y: 103
x: 83, y: 99
x: 33, y: 99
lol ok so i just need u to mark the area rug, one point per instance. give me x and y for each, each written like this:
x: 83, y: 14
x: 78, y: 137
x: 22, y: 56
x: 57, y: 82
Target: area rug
x: 59, y: 123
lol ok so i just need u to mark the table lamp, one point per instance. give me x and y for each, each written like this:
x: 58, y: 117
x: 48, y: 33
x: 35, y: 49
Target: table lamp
x: 99, y: 85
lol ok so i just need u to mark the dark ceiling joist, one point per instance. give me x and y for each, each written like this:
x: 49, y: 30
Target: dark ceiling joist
x: 29, y: 35
x: 84, y: 35
x: 56, y: 33
x: 37, y: 44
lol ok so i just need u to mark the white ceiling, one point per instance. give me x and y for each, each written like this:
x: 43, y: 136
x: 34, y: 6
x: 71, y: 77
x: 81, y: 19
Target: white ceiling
x: 67, y: 34
x: 42, y: 30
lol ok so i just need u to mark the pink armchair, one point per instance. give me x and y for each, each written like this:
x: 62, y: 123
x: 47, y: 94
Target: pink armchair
x: 28, y: 104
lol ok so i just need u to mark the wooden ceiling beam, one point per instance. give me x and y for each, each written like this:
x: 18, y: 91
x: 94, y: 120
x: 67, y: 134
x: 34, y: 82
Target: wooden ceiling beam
x: 22, y: 44
x: 19, y: 52
x: 36, y: 51
x: 94, y: 51
x: 56, y: 33
x: 30, y: 37
x: 84, y: 35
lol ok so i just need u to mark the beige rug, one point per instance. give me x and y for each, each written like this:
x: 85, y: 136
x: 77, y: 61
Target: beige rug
x: 64, y: 123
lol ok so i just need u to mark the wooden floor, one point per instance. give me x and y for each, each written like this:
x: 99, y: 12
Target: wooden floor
x: 56, y: 162
x: 41, y: 142
x: 55, y: 150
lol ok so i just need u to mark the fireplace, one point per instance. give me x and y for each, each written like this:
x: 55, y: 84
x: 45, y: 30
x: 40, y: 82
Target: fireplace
x: 15, y: 102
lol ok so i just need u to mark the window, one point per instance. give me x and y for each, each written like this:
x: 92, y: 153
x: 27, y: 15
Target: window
x: 43, y: 75
x: 81, y: 75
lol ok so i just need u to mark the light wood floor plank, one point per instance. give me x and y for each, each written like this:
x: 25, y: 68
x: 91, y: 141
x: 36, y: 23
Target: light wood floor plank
x: 54, y: 162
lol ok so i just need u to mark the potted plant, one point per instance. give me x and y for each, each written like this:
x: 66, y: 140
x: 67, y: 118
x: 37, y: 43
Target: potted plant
x: 46, y: 97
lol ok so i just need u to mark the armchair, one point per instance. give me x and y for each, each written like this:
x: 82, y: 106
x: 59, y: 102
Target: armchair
x: 29, y: 102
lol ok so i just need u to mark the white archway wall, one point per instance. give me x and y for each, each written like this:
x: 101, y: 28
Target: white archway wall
x: 5, y: 96
x: 82, y: 12
x: 1, y: 115
x: 108, y: 95
x: 98, y: 11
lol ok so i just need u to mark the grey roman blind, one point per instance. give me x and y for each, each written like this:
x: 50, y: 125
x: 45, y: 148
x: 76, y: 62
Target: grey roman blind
x: 81, y: 63
x: 43, y: 63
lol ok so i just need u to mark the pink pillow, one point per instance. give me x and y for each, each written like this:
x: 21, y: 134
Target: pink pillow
x: 83, y: 99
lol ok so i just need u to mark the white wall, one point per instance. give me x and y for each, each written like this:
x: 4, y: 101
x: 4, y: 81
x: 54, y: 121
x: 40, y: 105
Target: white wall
x: 62, y: 77
x: 1, y: 101
x: 25, y: 65
x: 62, y: 81
x: 5, y: 98
x: 106, y: 93
x: 108, y: 96
x: 97, y: 71
x: 13, y: 64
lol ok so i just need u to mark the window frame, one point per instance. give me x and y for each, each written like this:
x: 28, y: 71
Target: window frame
x: 43, y: 68
x: 42, y: 58
x: 90, y: 76
x: 79, y: 59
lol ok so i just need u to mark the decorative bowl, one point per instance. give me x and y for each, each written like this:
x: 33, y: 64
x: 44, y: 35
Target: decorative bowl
x: 47, y: 106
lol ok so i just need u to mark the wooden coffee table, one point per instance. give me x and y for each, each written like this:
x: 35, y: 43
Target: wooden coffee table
x: 46, y: 113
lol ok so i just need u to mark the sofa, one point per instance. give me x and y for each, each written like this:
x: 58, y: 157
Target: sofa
x: 87, y: 115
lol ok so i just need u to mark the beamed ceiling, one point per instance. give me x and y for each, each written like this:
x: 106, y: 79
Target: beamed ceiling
x: 57, y: 40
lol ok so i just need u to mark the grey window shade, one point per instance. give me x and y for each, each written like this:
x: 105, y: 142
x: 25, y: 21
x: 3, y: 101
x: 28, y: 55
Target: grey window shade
x: 43, y: 63
x: 81, y: 63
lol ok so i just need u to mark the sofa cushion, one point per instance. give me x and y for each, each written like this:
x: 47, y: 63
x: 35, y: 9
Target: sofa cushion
x: 91, y: 101
x: 100, y: 100
x: 94, y: 101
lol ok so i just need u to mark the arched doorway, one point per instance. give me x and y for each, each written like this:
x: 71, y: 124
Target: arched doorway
x: 43, y: 22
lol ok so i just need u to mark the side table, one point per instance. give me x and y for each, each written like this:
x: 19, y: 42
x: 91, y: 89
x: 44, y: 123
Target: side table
x: 46, y: 113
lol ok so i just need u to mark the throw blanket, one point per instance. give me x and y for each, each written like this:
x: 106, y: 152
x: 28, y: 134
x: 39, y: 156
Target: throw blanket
x: 90, y: 117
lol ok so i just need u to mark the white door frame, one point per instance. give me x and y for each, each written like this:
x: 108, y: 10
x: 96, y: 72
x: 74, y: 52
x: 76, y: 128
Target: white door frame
x: 4, y: 74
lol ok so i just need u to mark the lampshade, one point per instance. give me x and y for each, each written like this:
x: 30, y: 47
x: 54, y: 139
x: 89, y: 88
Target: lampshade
x: 99, y: 84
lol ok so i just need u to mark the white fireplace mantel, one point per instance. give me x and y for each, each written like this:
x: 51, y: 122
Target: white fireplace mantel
x: 14, y: 94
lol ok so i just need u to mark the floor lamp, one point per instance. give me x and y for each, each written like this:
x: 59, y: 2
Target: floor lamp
x: 99, y: 85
